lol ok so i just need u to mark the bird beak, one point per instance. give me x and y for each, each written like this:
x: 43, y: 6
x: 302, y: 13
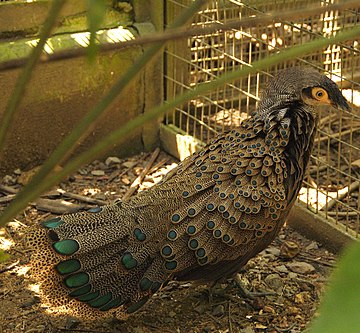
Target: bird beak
x: 341, y: 103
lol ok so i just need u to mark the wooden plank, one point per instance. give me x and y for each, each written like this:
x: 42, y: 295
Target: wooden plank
x: 177, y: 143
x: 25, y: 18
x: 153, y: 90
x: 325, y: 230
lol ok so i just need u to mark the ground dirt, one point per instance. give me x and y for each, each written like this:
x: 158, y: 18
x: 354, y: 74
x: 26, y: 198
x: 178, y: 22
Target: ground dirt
x: 289, y: 276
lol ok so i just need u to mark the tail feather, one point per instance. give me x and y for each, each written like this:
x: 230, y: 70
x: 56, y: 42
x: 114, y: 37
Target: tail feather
x: 88, y: 231
x: 103, y: 261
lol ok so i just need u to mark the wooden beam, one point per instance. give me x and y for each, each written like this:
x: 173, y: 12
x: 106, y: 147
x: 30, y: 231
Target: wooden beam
x: 325, y: 230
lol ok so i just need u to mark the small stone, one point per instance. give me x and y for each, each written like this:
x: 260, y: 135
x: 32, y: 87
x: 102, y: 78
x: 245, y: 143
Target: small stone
x: 83, y: 171
x: 289, y: 249
x: 273, y: 250
x: 300, y: 267
x: 200, y: 309
x: 138, y: 329
x: 30, y: 303
x: 100, y: 196
x: 98, y: 172
x: 72, y: 178
x: 124, y: 6
x: 312, y: 246
x: 53, y: 194
x: 268, y: 257
x: 112, y: 160
x: 17, y: 172
x: 248, y: 329
x: 302, y: 298
x: 147, y: 184
x: 71, y: 323
x: 128, y: 164
x: 268, y: 309
x: 101, y: 166
x: 292, y: 275
x: 26, y: 176
x: 274, y: 281
x: 8, y: 180
x: 172, y: 314
x: 125, y: 180
x: 281, y: 269
x: 219, y: 310
x: 292, y: 310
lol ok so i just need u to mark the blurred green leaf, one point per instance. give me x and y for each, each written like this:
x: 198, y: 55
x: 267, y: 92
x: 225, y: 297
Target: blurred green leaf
x: 42, y: 181
x: 95, y: 14
x: 4, y: 256
x: 339, y: 311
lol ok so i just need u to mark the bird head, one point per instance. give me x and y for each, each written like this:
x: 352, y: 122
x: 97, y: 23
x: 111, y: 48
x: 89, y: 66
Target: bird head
x: 303, y: 85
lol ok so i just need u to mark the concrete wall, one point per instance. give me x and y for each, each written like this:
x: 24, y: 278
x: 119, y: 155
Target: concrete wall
x: 61, y: 92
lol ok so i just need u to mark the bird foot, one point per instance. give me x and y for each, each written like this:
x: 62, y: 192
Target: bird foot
x: 244, y: 293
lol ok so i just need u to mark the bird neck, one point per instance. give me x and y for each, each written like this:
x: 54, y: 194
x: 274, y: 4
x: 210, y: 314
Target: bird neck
x: 301, y: 120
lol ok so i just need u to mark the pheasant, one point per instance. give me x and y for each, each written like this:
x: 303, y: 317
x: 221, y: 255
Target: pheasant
x: 202, y: 222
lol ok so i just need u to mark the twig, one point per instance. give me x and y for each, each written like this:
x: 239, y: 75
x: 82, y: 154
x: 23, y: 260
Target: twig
x: 158, y: 328
x: 8, y: 189
x: 10, y: 267
x: 229, y: 317
x: 311, y: 181
x: 82, y: 330
x: 57, y: 206
x: 341, y: 195
x: 214, y: 319
x: 82, y: 198
x: 141, y: 177
x: 158, y: 165
x: 321, y: 262
x: 7, y: 198
x: 117, y: 174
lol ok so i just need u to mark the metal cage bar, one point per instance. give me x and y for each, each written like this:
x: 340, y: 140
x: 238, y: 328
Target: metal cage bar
x: 332, y: 183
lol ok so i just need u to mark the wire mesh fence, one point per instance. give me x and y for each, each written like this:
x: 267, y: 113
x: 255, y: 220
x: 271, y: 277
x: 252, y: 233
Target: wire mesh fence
x: 332, y: 183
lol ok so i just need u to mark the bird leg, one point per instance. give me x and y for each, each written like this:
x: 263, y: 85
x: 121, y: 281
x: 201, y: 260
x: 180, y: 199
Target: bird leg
x: 244, y: 293
x: 214, y: 291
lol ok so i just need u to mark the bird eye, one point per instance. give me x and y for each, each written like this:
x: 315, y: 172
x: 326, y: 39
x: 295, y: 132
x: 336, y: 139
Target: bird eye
x: 319, y: 94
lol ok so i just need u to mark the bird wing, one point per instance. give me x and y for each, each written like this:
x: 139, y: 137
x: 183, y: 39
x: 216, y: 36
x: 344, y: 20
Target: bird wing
x: 233, y: 201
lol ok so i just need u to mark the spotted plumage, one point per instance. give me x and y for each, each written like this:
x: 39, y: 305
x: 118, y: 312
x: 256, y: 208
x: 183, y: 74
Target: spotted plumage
x: 204, y: 221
